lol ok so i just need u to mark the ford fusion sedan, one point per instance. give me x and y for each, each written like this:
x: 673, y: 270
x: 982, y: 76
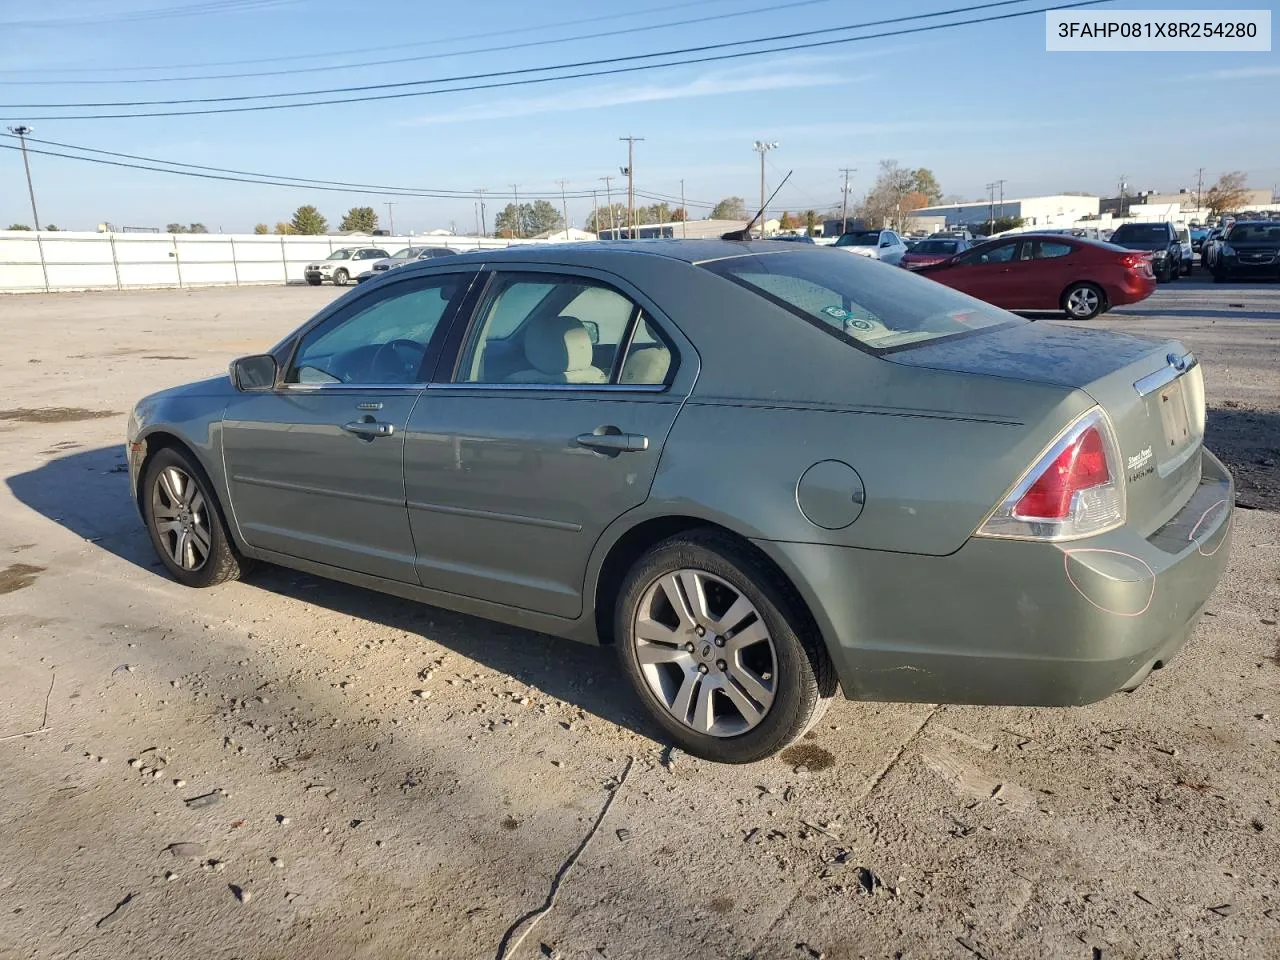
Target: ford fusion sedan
x: 764, y: 473
x: 1048, y: 272
x: 341, y: 266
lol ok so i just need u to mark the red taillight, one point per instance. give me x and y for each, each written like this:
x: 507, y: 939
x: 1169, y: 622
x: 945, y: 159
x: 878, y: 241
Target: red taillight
x: 1140, y: 263
x: 1080, y: 466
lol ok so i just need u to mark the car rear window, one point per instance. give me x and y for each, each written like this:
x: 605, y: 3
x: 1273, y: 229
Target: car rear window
x: 866, y: 303
x: 936, y: 246
x: 1130, y: 232
x: 869, y: 239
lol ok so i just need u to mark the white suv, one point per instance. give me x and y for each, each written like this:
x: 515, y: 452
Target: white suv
x: 342, y: 265
x: 877, y: 244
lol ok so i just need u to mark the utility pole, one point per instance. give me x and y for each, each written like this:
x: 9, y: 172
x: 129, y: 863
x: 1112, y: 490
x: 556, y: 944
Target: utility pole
x: 608, y: 198
x: 477, y: 212
x: 1199, y: 187
x: 391, y: 215
x: 519, y: 227
x: 991, y: 208
x: 595, y: 212
x: 484, y: 219
x: 684, y: 212
x: 1000, y: 184
x: 1123, y: 187
x: 564, y: 206
x: 631, y: 184
x: 762, y: 147
x: 844, y: 209
x: 21, y: 133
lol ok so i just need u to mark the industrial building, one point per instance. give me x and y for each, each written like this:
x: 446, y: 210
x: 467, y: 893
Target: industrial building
x: 1059, y: 210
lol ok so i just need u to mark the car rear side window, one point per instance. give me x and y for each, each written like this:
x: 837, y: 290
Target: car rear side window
x: 867, y: 304
x: 1051, y: 250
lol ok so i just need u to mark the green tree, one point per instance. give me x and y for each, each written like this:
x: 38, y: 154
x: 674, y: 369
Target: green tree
x: 1227, y: 195
x: 730, y: 208
x: 360, y: 219
x: 308, y: 220
x: 51, y: 228
x: 811, y: 222
x: 923, y: 181
x: 175, y: 228
x: 606, y: 217
x: 788, y: 222
x: 261, y: 228
x: 528, y: 220
x: 1001, y: 224
x: 679, y: 215
x: 18, y: 226
x: 284, y: 229
x: 543, y: 216
x: 197, y: 228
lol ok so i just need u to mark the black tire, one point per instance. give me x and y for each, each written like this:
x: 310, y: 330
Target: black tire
x: 340, y: 277
x: 1219, y: 277
x: 1101, y: 302
x: 806, y: 679
x: 314, y: 281
x: 220, y: 563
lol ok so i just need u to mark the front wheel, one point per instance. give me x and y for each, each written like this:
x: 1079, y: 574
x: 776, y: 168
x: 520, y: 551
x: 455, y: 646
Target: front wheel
x: 314, y: 281
x: 718, y: 648
x: 185, y: 523
x: 340, y: 277
x: 1083, y: 301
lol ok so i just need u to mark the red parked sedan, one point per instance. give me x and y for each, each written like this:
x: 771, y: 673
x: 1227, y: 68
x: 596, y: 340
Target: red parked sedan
x: 1049, y: 271
x: 933, y: 251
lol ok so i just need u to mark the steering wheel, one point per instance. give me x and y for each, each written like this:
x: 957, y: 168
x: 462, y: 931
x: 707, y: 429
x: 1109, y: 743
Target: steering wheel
x: 397, y: 361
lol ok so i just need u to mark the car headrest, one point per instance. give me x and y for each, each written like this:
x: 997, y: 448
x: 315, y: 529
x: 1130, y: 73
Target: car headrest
x: 556, y: 345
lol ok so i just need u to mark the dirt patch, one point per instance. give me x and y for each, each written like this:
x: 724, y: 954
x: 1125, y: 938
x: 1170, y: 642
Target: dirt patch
x: 160, y: 356
x: 16, y: 576
x: 808, y: 756
x: 54, y: 414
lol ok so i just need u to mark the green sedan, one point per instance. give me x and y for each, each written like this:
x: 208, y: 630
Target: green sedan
x: 763, y: 472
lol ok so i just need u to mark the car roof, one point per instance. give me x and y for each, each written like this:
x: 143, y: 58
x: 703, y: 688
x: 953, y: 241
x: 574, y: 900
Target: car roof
x: 688, y: 251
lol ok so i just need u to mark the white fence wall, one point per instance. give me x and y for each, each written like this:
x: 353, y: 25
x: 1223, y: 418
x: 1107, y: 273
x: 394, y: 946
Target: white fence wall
x: 61, y: 260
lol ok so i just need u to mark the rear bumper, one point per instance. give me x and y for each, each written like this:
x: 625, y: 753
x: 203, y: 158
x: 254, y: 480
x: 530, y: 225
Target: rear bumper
x: 1015, y: 622
x: 1130, y: 289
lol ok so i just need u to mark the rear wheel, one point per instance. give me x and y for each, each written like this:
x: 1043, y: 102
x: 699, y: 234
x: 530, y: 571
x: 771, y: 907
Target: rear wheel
x: 1083, y: 301
x: 718, y: 648
x: 185, y: 523
x: 340, y: 277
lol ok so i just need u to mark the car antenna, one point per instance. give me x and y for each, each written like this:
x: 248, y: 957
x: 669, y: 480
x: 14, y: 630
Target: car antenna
x: 745, y: 232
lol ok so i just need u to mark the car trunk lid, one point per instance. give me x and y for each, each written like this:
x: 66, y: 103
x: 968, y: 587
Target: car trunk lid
x: 1152, y: 391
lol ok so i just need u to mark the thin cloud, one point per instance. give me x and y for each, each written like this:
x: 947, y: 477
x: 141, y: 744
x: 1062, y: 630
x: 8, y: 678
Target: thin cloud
x: 1235, y: 73
x: 708, y: 85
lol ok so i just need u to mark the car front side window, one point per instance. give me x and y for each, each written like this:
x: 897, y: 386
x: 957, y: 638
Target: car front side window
x: 381, y: 339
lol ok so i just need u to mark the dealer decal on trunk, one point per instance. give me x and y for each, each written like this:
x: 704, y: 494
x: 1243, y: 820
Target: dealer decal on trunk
x: 1138, y: 465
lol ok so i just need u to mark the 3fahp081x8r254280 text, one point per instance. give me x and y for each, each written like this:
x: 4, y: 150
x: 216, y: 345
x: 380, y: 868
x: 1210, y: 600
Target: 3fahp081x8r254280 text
x: 1162, y: 30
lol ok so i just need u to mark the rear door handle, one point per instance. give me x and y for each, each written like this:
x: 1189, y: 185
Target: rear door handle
x: 369, y: 429
x: 613, y: 440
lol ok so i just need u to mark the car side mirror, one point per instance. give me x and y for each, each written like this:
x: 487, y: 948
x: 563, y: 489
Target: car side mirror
x: 256, y: 373
x: 593, y: 331
x: 885, y: 243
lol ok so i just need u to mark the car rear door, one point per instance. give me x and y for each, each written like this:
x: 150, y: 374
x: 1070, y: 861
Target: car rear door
x: 314, y: 467
x: 1043, y: 270
x: 548, y: 428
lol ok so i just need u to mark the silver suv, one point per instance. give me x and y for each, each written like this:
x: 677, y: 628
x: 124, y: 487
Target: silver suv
x: 342, y: 265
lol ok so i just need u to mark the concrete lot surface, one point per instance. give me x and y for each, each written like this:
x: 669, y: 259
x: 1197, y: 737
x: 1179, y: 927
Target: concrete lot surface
x: 292, y: 768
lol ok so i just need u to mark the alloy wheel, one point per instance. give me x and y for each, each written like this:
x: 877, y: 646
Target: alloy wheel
x: 181, y: 518
x: 705, y: 653
x: 1082, y: 302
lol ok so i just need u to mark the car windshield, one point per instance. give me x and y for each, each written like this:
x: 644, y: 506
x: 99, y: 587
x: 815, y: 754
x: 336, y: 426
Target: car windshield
x: 867, y: 239
x: 947, y: 247
x: 862, y: 302
x: 339, y: 255
x: 1141, y: 233
x: 1254, y: 233
x: 408, y: 253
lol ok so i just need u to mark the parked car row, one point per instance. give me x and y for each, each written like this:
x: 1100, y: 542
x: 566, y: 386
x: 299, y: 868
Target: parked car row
x: 1246, y: 249
x: 362, y: 263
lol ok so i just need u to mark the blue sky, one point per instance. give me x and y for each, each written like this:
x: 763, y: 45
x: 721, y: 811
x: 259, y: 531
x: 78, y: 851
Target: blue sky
x: 974, y: 104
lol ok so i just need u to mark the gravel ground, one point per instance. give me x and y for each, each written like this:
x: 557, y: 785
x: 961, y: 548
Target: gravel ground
x: 292, y: 768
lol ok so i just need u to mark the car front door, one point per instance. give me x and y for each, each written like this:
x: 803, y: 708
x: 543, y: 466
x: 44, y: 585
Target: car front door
x: 984, y: 272
x: 314, y: 466
x: 547, y: 429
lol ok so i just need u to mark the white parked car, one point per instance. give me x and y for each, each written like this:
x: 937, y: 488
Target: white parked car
x: 342, y: 266
x: 1188, y: 251
x: 877, y: 244
x: 401, y: 257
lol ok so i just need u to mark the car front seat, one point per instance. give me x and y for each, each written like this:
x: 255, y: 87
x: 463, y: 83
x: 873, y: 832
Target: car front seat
x: 559, y: 350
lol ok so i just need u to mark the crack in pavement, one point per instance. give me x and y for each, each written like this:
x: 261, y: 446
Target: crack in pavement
x: 516, y: 933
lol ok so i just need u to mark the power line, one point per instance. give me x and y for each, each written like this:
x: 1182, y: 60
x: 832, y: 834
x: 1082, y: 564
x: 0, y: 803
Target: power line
x: 431, y: 56
x: 264, y: 180
x: 163, y: 13
x: 526, y: 81
x: 394, y: 46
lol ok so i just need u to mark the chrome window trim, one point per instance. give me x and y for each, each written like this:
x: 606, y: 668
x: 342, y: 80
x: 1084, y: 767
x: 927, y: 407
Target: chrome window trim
x: 353, y: 387
x: 557, y: 387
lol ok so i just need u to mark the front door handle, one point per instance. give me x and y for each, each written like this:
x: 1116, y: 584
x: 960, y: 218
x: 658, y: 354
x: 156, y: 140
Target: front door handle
x: 612, y: 440
x: 369, y: 429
